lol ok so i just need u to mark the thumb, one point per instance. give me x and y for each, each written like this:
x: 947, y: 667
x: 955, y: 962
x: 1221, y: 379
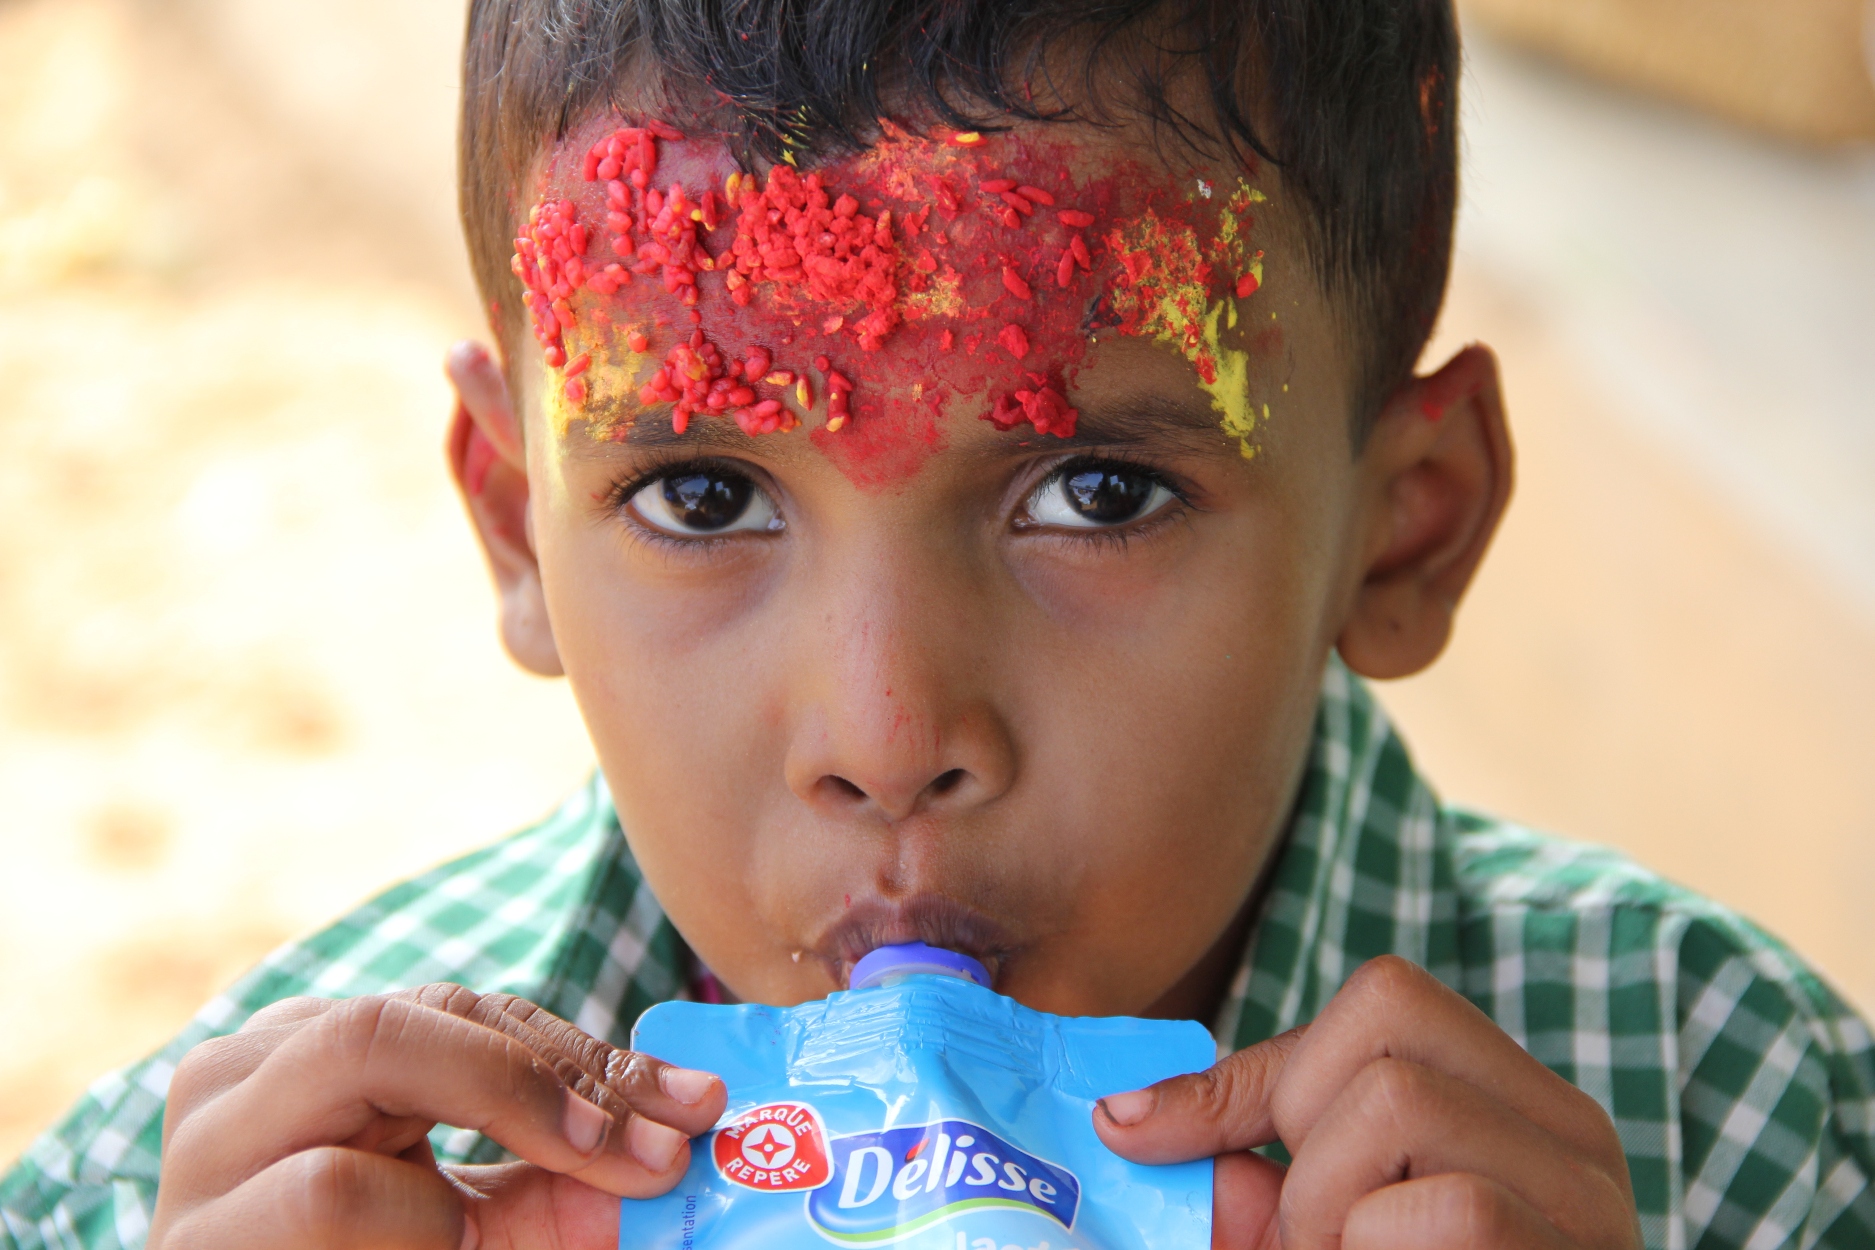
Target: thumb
x: 1224, y: 1108
x: 521, y: 1206
x: 1246, y: 1198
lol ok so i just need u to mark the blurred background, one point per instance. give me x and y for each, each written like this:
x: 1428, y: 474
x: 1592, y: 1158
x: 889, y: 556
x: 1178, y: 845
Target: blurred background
x: 248, y: 668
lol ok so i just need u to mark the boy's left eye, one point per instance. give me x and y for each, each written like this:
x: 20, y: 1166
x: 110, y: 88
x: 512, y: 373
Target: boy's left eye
x: 1097, y: 496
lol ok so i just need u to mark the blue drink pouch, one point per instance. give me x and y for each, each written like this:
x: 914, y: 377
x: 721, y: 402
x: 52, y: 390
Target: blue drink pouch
x: 924, y: 1112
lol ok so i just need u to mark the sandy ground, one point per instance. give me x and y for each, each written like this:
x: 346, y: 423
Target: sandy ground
x: 248, y: 672
x: 247, y: 666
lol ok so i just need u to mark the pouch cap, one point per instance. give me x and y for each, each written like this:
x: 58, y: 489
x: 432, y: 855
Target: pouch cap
x: 891, y: 962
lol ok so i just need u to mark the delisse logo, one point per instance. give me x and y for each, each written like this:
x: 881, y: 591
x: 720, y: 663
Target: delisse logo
x: 778, y: 1147
x: 891, y: 1184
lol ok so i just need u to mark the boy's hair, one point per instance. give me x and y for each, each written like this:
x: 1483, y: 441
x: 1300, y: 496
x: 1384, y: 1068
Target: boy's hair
x: 1353, y: 100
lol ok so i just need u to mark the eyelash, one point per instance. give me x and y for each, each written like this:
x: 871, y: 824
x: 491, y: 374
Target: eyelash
x: 663, y: 466
x: 660, y: 467
x: 1118, y: 535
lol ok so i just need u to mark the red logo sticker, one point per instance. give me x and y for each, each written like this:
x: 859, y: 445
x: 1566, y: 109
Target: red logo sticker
x: 778, y: 1147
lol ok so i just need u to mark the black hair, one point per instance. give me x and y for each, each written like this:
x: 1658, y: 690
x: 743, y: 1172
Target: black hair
x: 1352, y: 100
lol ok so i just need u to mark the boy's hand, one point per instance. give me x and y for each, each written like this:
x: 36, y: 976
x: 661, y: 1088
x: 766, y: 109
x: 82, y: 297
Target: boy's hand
x: 1413, y: 1121
x: 309, y: 1128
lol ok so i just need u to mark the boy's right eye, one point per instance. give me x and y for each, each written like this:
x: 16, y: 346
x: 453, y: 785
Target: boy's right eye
x: 703, y: 503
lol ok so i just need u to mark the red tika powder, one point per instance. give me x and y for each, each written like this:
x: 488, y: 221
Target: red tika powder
x: 818, y: 257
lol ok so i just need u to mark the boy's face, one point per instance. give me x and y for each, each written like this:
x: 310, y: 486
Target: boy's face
x: 1021, y: 660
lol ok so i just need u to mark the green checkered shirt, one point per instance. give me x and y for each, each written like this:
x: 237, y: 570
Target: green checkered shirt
x: 1742, y: 1087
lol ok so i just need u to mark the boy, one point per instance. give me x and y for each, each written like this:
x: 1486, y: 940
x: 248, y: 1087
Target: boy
x: 961, y: 456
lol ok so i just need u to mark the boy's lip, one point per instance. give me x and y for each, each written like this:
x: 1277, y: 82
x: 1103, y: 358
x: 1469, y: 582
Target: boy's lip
x: 930, y: 918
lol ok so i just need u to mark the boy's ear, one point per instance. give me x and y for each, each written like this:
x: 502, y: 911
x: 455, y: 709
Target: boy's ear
x: 1436, y: 475
x: 489, y: 463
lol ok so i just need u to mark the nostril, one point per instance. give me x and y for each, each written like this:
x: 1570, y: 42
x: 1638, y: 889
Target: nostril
x: 843, y: 787
x: 837, y: 792
x: 946, y: 782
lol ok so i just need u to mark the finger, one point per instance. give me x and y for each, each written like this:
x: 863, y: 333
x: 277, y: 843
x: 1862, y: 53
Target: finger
x: 1391, y: 1008
x: 329, y: 1197
x: 483, y: 392
x: 657, y: 1107
x: 1246, y: 1193
x: 1399, y: 1121
x: 373, y: 1057
x: 392, y: 1135
x: 1225, y: 1108
x: 288, y: 1013
x: 623, y: 1082
x: 1450, y: 1212
x: 220, y: 1063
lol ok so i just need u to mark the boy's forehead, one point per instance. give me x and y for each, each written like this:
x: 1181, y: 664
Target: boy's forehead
x: 863, y: 302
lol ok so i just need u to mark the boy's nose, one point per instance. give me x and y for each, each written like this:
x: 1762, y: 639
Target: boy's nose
x: 853, y: 764
x: 893, y: 721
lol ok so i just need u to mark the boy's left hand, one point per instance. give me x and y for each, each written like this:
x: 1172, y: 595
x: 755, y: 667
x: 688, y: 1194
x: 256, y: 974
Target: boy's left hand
x: 1414, y: 1123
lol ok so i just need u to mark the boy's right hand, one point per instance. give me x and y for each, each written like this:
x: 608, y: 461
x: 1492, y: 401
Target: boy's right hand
x: 310, y: 1127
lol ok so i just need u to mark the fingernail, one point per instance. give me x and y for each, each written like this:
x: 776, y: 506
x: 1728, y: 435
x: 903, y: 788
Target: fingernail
x: 1129, y: 1109
x: 687, y: 1085
x: 471, y: 1233
x: 584, y: 1124
x: 652, y: 1144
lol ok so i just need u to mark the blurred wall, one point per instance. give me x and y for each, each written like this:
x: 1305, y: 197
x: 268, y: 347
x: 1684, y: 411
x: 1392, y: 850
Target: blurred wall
x: 248, y: 671
x: 1795, y: 68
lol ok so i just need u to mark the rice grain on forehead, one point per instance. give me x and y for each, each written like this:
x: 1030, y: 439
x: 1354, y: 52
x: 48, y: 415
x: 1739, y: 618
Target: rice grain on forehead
x: 1352, y: 100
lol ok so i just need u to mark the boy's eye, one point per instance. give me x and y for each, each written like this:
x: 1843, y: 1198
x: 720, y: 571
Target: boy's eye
x: 1091, y: 496
x: 696, y: 503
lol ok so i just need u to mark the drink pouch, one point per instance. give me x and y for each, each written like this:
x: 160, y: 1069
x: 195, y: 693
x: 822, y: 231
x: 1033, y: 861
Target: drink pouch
x: 929, y: 1114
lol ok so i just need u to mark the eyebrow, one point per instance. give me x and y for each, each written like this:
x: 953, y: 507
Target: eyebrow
x: 649, y: 429
x: 1143, y: 419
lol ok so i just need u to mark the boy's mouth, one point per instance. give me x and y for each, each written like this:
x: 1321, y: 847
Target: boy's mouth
x: 930, y: 918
